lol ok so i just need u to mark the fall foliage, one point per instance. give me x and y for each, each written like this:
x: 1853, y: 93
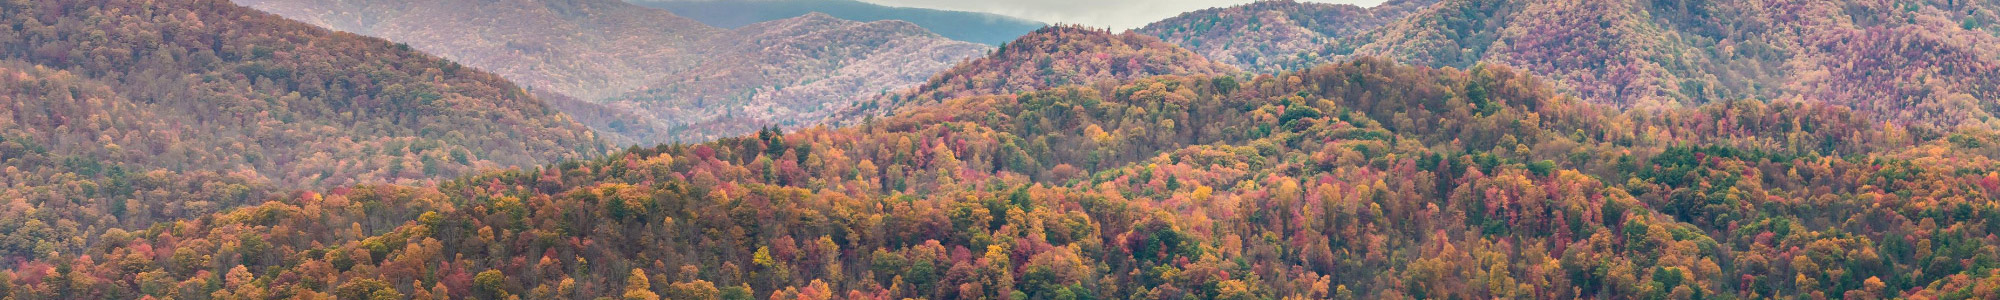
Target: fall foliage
x: 1050, y: 57
x: 1273, y: 36
x: 1313, y: 184
x: 120, y: 114
x: 194, y: 149
x: 1920, y: 63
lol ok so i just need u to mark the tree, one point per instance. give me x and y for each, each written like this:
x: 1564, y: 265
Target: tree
x: 695, y: 290
x: 638, y: 287
x: 491, y: 284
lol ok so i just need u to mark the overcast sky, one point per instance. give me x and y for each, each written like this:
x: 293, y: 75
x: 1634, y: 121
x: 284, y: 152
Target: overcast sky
x: 1115, y: 14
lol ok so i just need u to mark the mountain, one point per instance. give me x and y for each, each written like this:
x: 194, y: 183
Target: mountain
x: 690, y: 81
x: 619, y: 125
x: 1065, y: 55
x: 793, y: 73
x: 1272, y: 36
x: 584, y: 48
x: 1361, y: 179
x: 1921, y: 63
x: 974, y: 27
x: 1049, y: 57
x: 123, y: 113
x: 1070, y: 164
x: 1911, y: 62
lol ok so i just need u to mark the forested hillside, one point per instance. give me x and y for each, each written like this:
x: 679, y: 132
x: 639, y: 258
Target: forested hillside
x: 1273, y: 36
x: 974, y: 27
x: 1930, y: 63
x: 194, y: 149
x: 686, y: 80
x: 119, y: 114
x: 1056, y: 56
x: 1909, y: 61
x: 1357, y: 180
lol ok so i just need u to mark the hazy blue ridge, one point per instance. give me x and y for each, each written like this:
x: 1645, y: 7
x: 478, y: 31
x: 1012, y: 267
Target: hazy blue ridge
x: 974, y: 27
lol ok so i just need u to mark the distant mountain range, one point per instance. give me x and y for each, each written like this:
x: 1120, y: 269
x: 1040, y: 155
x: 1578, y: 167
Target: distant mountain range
x: 974, y: 27
x: 691, y: 81
x: 1934, y: 63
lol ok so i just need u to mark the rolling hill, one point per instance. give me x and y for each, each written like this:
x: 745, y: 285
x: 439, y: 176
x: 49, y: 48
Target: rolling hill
x: 1272, y: 36
x: 121, y: 113
x: 1052, y: 57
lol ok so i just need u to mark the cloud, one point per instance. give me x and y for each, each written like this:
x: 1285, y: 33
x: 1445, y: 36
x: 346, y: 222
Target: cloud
x: 1114, y: 14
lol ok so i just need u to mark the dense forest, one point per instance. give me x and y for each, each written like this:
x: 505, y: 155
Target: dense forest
x: 1050, y: 57
x: 1926, y: 63
x: 120, y: 114
x: 1361, y: 179
x: 195, y: 149
x: 1272, y: 36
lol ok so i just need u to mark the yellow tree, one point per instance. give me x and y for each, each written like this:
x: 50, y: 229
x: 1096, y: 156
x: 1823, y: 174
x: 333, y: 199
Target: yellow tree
x: 637, y: 287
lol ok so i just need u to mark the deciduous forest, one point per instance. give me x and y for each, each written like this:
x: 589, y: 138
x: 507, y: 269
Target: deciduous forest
x: 121, y: 114
x: 195, y: 149
x: 1313, y: 184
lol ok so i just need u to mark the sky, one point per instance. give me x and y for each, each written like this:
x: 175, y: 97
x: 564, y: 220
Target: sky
x: 1114, y: 14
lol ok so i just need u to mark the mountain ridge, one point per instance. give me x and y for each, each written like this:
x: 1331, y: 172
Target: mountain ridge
x: 1262, y: 36
x: 1065, y: 55
x: 693, y: 81
x: 989, y: 29
x: 1651, y: 54
x: 157, y: 110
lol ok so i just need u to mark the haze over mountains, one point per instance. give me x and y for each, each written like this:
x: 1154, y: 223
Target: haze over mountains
x: 981, y: 28
x: 1448, y: 149
x: 691, y: 81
